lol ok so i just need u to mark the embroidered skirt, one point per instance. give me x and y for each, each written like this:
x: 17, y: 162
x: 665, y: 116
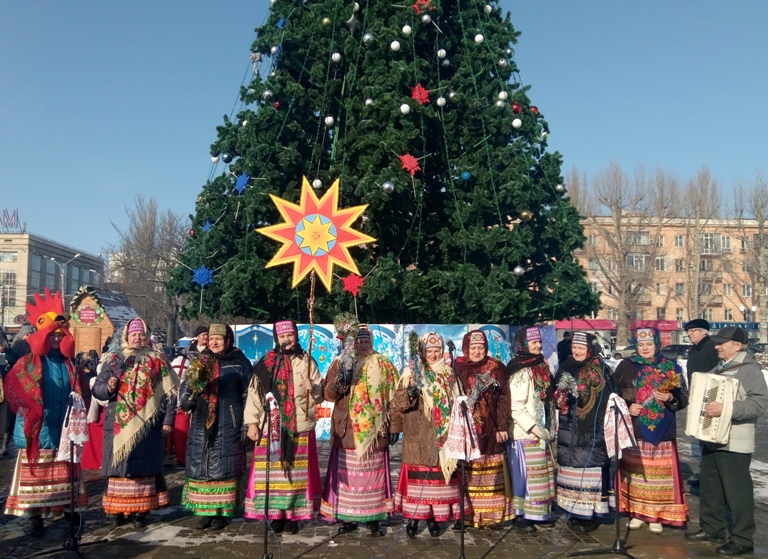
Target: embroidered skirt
x: 42, y: 487
x: 651, y: 485
x: 533, y: 478
x: 584, y: 492
x: 295, y: 496
x: 357, y: 489
x: 126, y: 495
x: 487, y: 489
x: 423, y: 494
x: 212, y: 498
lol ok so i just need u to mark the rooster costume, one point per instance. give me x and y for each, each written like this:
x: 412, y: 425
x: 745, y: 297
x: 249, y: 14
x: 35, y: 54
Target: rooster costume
x: 38, y: 389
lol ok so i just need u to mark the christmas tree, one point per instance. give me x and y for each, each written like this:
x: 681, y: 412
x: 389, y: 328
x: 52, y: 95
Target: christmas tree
x: 418, y: 110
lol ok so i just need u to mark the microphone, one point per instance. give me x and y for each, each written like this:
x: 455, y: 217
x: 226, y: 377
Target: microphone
x: 451, y: 346
x: 281, y: 348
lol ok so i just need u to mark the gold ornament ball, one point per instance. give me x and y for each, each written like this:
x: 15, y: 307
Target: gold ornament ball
x: 526, y: 215
x: 326, y: 21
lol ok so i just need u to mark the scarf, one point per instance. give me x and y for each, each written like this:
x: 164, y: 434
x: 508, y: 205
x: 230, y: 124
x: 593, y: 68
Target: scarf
x: 24, y: 391
x: 282, y: 389
x: 660, y: 374
x: 369, y: 400
x: 523, y: 359
x: 144, y: 379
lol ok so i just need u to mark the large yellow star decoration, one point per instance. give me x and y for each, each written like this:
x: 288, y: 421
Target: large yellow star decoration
x: 315, y: 234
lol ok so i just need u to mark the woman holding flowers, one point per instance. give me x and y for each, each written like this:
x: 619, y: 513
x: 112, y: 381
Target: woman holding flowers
x: 651, y: 485
x: 139, y: 383
x: 583, y: 474
x: 214, y: 390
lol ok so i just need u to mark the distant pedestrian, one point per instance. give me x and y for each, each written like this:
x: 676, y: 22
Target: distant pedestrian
x: 564, y: 348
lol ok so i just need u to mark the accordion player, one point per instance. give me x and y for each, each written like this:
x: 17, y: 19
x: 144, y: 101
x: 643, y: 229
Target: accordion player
x: 706, y: 388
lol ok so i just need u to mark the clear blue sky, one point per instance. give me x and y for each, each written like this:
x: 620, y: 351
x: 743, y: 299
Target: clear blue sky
x: 102, y: 101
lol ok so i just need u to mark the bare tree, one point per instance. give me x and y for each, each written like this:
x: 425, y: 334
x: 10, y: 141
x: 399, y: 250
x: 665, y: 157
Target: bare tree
x: 706, y: 249
x: 624, y: 217
x: 751, y: 212
x: 141, y: 262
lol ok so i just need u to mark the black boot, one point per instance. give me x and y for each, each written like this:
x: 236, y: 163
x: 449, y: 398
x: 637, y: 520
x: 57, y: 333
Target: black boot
x: 278, y: 525
x: 203, y: 522
x: 523, y: 525
x: 376, y: 530
x: 36, y: 527
x: 117, y: 520
x: 140, y: 520
x: 291, y: 527
x: 433, y: 527
x: 347, y: 527
x: 411, y: 527
x: 219, y: 522
x: 457, y: 525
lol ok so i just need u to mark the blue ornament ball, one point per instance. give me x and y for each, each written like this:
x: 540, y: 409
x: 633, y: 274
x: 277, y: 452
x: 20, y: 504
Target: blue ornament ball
x: 466, y: 175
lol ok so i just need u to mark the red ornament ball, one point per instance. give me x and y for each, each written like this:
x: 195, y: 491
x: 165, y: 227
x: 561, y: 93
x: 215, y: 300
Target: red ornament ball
x: 276, y: 105
x: 517, y: 108
x: 534, y: 109
x: 192, y: 233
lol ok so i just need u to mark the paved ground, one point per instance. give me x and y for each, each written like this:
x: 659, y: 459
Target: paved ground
x: 170, y: 535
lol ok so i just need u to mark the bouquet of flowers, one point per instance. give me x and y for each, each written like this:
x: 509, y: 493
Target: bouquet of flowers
x: 200, y: 373
x: 567, y: 389
x: 666, y: 386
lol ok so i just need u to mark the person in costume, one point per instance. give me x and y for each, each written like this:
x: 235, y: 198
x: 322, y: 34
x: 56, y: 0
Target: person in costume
x: 177, y: 444
x: 528, y: 451
x: 214, y: 391
x: 428, y: 488
x: 651, y: 484
x: 140, y: 386
x: 358, y: 487
x: 484, y: 382
x: 289, y: 378
x: 38, y: 389
x: 580, y: 392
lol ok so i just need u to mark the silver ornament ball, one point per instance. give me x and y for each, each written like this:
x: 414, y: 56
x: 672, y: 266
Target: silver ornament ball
x: 388, y: 186
x: 407, y: 30
x: 267, y: 94
x: 517, y: 123
x: 368, y: 38
x: 214, y: 159
x: 518, y: 271
x: 559, y: 187
x: 503, y: 62
x: 395, y: 45
x: 479, y: 38
x: 452, y: 95
x: 329, y: 121
x: 446, y: 62
x: 488, y: 9
x: 426, y: 18
x: 509, y: 52
x: 405, y: 108
x: 368, y: 102
x: 500, y: 103
x: 317, y: 184
x: 503, y: 95
x: 440, y: 101
x: 273, y: 50
x: 441, y: 53
x: 336, y: 57
x: 356, y: 8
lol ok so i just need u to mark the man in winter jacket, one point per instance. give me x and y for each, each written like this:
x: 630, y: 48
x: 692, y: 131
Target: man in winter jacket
x: 725, y: 477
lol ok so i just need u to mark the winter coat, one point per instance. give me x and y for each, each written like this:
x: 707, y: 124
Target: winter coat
x: 419, y: 439
x: 702, y: 358
x: 220, y: 453
x: 148, y: 456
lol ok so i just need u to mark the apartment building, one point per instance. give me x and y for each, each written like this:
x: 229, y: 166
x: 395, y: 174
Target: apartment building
x: 663, y: 274
x: 29, y: 263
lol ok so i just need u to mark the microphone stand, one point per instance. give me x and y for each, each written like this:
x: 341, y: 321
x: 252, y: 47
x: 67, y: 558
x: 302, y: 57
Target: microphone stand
x: 618, y: 547
x: 73, y: 541
x: 279, y: 356
x: 462, y: 463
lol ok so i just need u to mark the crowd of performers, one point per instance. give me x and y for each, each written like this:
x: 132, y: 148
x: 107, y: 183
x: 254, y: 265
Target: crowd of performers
x: 505, y: 426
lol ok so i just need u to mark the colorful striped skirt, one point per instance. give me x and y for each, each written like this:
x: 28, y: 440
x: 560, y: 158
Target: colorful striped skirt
x: 651, y: 485
x: 126, y: 495
x: 584, y: 492
x: 533, y: 478
x: 212, y: 498
x: 487, y: 488
x: 295, y: 496
x: 42, y: 488
x: 423, y: 494
x: 357, y: 489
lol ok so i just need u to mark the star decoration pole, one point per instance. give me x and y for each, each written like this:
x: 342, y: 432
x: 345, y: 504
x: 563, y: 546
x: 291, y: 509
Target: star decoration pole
x: 315, y: 234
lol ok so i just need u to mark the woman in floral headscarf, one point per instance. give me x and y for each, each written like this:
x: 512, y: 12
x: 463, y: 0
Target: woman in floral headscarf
x: 358, y: 487
x: 528, y: 452
x: 139, y: 383
x: 289, y: 378
x: 651, y: 485
x: 484, y: 382
x: 580, y: 393
x: 214, y: 390
x: 428, y: 489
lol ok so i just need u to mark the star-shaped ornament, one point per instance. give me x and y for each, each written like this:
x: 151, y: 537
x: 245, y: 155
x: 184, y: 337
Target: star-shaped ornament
x: 241, y: 183
x: 315, y: 234
x: 352, y: 284
x: 420, y: 94
x: 410, y: 163
x: 207, y: 226
x: 202, y: 276
x: 421, y: 6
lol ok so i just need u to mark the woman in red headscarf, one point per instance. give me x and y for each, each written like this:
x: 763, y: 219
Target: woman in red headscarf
x: 289, y: 377
x: 484, y: 382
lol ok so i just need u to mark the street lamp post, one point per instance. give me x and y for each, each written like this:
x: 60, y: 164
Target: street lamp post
x: 748, y: 312
x: 63, y: 271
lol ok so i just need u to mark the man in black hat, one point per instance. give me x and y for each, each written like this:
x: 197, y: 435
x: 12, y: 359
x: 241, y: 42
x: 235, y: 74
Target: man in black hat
x: 703, y: 356
x: 564, y: 348
x: 725, y: 479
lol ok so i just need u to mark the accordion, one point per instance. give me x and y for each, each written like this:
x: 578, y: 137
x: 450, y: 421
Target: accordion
x: 706, y: 388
